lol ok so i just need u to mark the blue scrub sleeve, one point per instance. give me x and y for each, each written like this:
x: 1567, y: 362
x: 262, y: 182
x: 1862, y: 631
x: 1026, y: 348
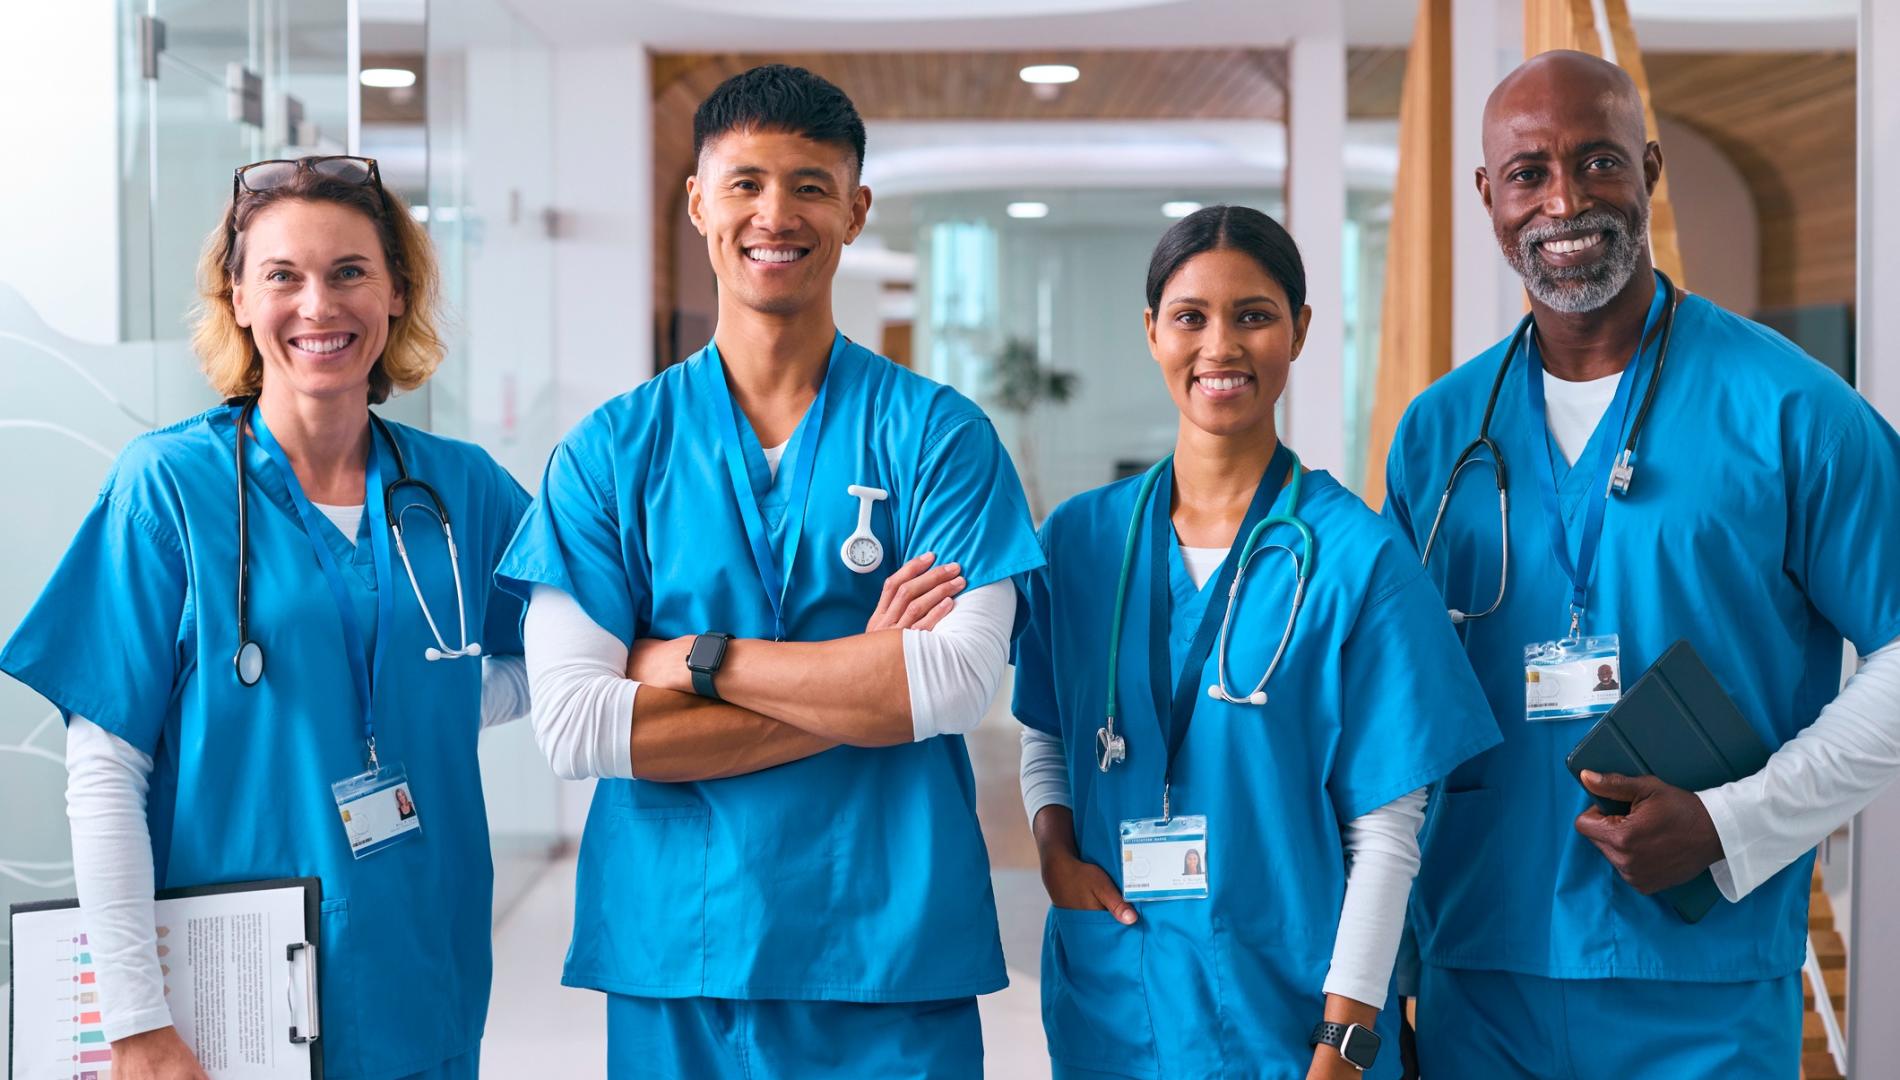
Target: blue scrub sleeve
x: 1396, y: 509
x: 1410, y: 708
x: 508, y: 504
x: 106, y: 638
x: 969, y: 507
x: 571, y: 539
x: 1843, y: 530
x: 1034, y: 701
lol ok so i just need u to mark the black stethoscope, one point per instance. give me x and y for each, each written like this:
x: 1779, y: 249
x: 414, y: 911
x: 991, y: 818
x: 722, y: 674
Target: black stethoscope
x: 1621, y: 473
x: 249, y: 660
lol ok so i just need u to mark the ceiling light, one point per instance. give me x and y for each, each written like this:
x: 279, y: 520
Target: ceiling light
x: 1049, y: 74
x: 388, y: 78
x: 1028, y: 210
x: 1179, y: 208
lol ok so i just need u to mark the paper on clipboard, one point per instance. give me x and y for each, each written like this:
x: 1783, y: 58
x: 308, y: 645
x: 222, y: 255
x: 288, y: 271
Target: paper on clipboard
x: 238, y: 964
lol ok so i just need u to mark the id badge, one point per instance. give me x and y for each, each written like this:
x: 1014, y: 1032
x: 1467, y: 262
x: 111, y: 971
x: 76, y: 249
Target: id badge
x: 1572, y: 680
x: 1164, y: 860
x: 378, y: 809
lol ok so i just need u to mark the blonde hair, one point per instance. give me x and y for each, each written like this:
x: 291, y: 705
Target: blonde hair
x: 414, y: 350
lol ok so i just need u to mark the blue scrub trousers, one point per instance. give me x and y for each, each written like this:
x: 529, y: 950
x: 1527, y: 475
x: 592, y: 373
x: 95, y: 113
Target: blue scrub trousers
x: 725, y: 1039
x: 1502, y: 1026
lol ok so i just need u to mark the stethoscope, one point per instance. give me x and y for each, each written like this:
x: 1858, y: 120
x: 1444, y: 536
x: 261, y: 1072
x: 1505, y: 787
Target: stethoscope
x: 249, y: 660
x: 1111, y: 747
x: 1621, y: 473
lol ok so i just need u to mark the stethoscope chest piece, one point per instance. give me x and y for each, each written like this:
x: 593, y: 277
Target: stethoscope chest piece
x: 1110, y: 749
x: 249, y: 662
x: 863, y: 552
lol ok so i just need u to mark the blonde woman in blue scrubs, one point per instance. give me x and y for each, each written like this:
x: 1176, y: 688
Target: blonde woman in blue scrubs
x: 211, y: 717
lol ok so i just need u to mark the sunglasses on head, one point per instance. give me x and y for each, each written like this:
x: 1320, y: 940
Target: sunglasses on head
x: 262, y: 176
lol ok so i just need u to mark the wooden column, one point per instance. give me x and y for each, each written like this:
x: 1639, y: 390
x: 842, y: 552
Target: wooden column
x: 1573, y: 24
x: 1415, y: 324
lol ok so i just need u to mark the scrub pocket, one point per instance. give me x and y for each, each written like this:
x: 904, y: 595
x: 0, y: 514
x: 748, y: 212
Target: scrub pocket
x: 335, y: 989
x: 1094, y: 999
x: 1456, y: 899
x: 650, y: 929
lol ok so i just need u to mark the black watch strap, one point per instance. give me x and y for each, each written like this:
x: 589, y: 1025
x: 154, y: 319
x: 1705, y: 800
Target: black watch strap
x: 703, y: 685
x: 1358, y: 1044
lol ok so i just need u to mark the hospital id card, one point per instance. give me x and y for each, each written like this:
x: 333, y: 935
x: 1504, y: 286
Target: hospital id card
x: 378, y: 809
x: 1572, y: 680
x: 1164, y: 860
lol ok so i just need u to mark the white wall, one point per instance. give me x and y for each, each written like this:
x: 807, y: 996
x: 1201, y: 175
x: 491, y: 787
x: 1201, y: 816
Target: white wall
x: 59, y: 193
x: 1715, y: 219
x: 603, y: 193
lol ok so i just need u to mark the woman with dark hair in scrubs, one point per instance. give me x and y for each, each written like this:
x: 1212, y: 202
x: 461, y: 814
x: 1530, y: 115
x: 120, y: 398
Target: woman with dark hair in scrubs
x: 1300, y: 794
x: 253, y: 685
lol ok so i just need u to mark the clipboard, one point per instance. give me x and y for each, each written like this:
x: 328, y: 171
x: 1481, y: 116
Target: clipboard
x: 1678, y: 724
x: 241, y: 971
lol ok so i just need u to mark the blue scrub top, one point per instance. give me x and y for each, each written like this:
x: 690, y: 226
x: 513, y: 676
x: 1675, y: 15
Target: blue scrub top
x: 1759, y: 526
x: 136, y: 631
x: 853, y: 875
x: 1372, y: 701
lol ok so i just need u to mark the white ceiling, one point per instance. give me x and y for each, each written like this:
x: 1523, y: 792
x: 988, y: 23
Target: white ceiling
x: 848, y: 25
x: 758, y: 25
x: 914, y: 157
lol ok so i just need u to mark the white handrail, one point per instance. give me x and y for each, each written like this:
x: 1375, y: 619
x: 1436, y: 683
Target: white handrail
x: 1823, y: 1004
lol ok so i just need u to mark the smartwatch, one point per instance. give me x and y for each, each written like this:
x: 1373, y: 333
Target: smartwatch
x: 703, y: 660
x: 1357, y: 1044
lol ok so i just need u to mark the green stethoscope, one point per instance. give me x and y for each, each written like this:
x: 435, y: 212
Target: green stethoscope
x: 1111, y: 747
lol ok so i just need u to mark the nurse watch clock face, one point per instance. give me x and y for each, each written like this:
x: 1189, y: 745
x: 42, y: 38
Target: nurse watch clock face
x: 863, y: 553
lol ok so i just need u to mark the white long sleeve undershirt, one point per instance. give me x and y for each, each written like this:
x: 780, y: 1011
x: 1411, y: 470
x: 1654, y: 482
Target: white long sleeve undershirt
x: 107, y: 780
x: 583, y: 701
x: 1817, y: 780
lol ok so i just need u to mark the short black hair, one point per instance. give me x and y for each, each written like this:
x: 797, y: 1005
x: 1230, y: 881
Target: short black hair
x: 1241, y: 228
x: 779, y: 97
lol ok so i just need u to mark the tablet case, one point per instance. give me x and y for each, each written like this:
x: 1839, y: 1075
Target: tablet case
x: 1675, y: 723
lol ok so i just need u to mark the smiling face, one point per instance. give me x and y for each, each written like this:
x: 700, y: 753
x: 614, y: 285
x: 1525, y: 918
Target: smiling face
x: 776, y: 210
x: 315, y: 291
x: 1225, y: 339
x: 1567, y: 179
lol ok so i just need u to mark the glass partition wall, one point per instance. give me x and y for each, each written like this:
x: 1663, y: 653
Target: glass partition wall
x: 203, y: 86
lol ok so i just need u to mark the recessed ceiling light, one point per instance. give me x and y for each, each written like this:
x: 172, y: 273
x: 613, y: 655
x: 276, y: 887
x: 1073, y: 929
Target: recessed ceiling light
x: 1179, y: 208
x: 1028, y: 209
x: 388, y: 78
x: 1049, y: 74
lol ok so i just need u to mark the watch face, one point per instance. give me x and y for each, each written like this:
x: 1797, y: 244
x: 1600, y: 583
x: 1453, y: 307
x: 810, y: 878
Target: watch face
x: 706, y: 653
x: 1360, y: 1047
x: 863, y: 551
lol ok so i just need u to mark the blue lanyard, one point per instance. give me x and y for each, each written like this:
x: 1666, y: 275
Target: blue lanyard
x: 363, y: 669
x: 1599, y: 465
x: 800, y: 456
x: 1178, y: 712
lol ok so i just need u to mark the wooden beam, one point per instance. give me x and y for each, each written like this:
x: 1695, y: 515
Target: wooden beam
x: 1415, y: 323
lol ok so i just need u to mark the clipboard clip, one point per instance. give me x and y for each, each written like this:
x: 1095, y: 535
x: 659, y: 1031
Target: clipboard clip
x: 302, y: 954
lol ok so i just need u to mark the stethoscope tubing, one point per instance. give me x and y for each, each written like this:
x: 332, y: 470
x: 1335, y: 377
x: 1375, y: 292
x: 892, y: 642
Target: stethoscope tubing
x: 249, y: 659
x: 1525, y: 327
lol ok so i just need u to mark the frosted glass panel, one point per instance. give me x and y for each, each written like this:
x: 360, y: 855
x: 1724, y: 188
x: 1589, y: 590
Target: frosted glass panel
x: 66, y: 409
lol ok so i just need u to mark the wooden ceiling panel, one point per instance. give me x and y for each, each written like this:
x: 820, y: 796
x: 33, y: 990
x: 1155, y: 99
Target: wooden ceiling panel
x: 1786, y: 120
